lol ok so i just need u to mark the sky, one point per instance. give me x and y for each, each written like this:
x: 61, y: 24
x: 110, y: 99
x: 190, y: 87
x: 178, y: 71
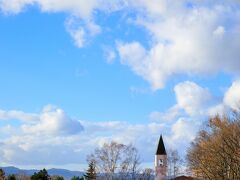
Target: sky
x: 76, y: 74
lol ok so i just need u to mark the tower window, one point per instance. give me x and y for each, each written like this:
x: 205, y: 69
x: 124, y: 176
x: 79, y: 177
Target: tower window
x: 160, y: 162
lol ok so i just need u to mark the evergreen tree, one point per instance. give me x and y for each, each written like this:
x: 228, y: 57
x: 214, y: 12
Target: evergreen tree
x: 91, y: 171
x: 77, y: 178
x: 57, y: 178
x: 41, y: 175
x: 11, y: 177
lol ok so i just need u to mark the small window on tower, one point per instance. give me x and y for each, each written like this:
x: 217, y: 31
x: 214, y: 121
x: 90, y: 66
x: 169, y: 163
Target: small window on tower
x: 160, y: 162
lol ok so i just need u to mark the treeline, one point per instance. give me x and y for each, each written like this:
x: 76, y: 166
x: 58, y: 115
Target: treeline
x: 41, y: 175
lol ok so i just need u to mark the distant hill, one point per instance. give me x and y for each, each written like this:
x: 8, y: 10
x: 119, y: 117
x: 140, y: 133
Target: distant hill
x: 64, y: 173
x: 67, y: 174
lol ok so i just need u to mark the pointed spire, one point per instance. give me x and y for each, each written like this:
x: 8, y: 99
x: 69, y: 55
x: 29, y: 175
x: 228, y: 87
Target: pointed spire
x: 161, y: 148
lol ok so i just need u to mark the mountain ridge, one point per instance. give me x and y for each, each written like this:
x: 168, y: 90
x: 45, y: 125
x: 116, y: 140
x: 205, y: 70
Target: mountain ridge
x: 66, y: 174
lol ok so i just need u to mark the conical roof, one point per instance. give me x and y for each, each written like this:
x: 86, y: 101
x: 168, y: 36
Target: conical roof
x: 161, y: 148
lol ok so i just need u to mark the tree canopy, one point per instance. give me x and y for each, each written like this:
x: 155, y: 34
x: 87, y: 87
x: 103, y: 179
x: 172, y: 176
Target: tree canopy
x: 41, y: 175
x: 215, y: 153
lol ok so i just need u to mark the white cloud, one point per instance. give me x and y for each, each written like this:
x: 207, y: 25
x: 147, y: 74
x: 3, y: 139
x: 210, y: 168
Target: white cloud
x: 14, y: 6
x: 171, y: 114
x: 219, y: 31
x: 19, y: 115
x: 232, y: 96
x: 77, y: 7
x: 53, y: 121
x: 192, y: 98
x: 183, y: 119
x: 81, y: 32
x: 135, y: 56
x: 192, y: 102
x: 194, y: 105
x: 45, y: 140
x: 217, y: 109
x: 35, y: 147
x: 186, y: 37
x: 78, y: 35
x: 55, y: 138
x: 184, y: 130
x: 197, y: 40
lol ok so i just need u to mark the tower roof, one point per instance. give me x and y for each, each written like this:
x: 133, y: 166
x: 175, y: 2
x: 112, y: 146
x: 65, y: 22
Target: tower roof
x: 161, y: 148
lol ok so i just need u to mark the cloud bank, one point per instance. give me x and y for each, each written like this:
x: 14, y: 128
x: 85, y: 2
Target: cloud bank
x: 53, y: 137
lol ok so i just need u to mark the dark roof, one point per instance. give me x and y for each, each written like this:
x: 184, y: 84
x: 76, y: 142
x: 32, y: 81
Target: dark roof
x: 184, y: 178
x: 161, y: 148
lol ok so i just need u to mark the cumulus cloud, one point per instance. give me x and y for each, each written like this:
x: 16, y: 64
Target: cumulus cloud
x: 14, y: 6
x: 43, y: 141
x: 54, y: 134
x: 192, y: 101
x: 77, y: 7
x: 195, y: 39
x: 194, y: 105
x: 232, y: 96
x: 54, y: 121
x: 195, y: 102
x: 171, y: 114
x: 183, y: 132
x: 51, y: 121
x: 192, y: 98
x: 184, y: 118
x: 19, y: 115
x: 55, y: 138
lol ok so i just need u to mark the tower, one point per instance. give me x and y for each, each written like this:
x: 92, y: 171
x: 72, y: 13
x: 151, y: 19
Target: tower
x: 161, y: 161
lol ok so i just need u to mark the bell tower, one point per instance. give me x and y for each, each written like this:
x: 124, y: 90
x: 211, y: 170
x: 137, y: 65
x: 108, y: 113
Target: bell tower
x: 161, y: 161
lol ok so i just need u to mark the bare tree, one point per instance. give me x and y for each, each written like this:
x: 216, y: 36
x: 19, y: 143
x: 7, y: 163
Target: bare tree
x: 130, y: 163
x: 215, y: 153
x: 146, y: 174
x: 22, y: 177
x: 114, y: 159
x: 174, y: 163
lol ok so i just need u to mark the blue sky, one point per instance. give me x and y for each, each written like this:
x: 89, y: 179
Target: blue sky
x: 88, y: 73
x: 46, y: 67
